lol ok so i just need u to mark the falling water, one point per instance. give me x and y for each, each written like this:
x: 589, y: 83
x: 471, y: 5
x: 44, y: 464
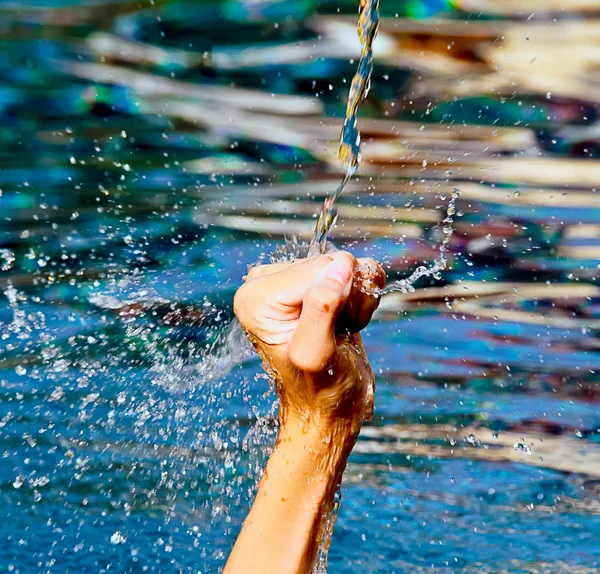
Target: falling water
x: 350, y: 156
x: 349, y: 150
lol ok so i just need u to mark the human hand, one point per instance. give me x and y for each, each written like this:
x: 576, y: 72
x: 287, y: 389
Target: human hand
x: 303, y: 319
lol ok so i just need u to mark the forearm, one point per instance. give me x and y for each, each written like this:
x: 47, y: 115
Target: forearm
x: 281, y: 534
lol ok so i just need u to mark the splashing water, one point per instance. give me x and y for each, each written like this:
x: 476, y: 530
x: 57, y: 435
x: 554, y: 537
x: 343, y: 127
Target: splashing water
x: 522, y: 448
x: 439, y: 263
x: 229, y: 347
x: 8, y: 258
x: 321, y: 564
x: 350, y: 156
x: 203, y: 369
x: 200, y: 388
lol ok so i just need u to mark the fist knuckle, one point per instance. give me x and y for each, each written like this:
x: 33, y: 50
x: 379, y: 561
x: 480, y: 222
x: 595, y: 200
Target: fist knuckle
x: 347, y: 255
x: 241, y: 303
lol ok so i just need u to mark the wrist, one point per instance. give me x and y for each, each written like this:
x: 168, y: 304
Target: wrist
x: 325, y: 445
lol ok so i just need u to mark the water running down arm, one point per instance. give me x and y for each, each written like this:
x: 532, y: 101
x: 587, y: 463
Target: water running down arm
x: 303, y: 319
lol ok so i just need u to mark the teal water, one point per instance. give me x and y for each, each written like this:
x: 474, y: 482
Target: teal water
x: 150, y: 152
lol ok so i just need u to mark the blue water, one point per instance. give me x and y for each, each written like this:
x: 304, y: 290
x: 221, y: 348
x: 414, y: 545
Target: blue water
x: 131, y: 434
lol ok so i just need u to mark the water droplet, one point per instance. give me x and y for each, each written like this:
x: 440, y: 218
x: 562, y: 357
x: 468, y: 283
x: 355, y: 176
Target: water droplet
x: 522, y: 448
x: 8, y: 257
x: 118, y: 538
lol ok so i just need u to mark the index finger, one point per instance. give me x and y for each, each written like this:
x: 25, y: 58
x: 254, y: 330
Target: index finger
x: 287, y: 286
x: 263, y: 270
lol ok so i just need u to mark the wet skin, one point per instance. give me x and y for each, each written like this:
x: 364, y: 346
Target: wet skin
x: 304, y: 320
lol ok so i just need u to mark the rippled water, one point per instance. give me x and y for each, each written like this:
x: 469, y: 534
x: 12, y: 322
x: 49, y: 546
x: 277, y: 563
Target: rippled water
x: 149, y: 153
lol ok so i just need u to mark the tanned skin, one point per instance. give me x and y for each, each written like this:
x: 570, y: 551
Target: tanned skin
x: 304, y: 319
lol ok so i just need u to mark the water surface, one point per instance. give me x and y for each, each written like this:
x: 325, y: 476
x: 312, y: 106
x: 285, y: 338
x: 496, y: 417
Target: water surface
x: 150, y: 152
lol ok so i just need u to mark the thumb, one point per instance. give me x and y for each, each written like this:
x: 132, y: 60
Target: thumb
x: 313, y: 344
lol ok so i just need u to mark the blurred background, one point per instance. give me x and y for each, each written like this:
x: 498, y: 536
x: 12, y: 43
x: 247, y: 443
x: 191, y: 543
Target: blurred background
x: 151, y: 150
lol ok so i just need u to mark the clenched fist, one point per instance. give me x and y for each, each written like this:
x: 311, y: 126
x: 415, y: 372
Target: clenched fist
x: 303, y: 318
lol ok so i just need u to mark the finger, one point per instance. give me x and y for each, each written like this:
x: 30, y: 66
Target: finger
x: 259, y: 271
x: 361, y: 305
x: 288, y: 286
x: 267, y: 269
x: 313, y: 344
x: 372, y: 277
x: 282, y: 289
x: 371, y: 273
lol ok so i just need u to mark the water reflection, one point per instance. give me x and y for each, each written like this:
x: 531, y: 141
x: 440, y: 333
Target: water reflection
x: 145, y: 161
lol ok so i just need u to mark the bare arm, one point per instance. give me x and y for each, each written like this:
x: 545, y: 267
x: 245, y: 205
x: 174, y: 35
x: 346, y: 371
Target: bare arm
x: 303, y: 319
x: 285, y: 525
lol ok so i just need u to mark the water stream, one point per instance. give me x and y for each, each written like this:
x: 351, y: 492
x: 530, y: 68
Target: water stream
x: 350, y: 156
x: 349, y: 150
